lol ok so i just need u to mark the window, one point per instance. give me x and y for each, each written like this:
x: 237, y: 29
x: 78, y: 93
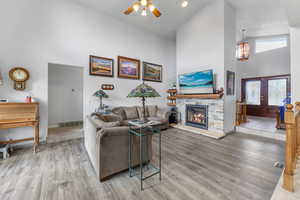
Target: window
x: 267, y: 44
x: 277, y: 91
x: 253, y: 92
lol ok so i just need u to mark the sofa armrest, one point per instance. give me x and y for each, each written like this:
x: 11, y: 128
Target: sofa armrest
x: 163, y: 113
x: 112, y: 132
x: 99, y: 124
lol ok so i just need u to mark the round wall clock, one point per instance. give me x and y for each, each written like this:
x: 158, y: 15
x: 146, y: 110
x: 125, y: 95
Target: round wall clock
x: 19, y: 75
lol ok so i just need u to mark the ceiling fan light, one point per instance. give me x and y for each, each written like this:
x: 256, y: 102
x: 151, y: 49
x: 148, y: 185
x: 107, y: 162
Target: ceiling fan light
x: 151, y: 7
x: 144, y: 2
x: 136, y: 6
x: 144, y: 12
x: 184, y: 4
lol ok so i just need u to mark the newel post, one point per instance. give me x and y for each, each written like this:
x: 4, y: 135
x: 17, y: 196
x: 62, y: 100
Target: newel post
x: 289, y: 118
x: 298, y: 127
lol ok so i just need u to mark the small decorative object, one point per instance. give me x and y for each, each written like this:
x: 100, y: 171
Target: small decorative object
x: 19, y: 75
x: 152, y: 72
x: 107, y: 87
x: 243, y: 48
x: 101, y: 94
x: 143, y: 91
x: 100, y: 66
x: 28, y: 99
x: 230, y: 86
x: 128, y: 68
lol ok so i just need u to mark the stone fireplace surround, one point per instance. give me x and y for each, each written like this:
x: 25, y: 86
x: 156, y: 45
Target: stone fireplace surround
x: 215, y: 116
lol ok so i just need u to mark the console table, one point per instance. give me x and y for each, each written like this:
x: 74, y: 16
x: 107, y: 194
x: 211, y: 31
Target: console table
x: 16, y: 115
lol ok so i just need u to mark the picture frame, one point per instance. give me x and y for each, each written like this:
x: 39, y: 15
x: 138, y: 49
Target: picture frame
x: 128, y: 68
x: 152, y: 72
x: 101, y: 66
x: 230, y: 83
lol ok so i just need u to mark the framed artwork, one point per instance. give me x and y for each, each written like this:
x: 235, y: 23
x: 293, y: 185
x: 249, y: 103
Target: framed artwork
x: 152, y: 72
x: 128, y: 68
x: 230, y: 86
x: 100, y: 66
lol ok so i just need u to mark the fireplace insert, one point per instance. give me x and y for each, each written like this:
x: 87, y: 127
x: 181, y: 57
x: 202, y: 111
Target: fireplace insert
x: 197, y: 116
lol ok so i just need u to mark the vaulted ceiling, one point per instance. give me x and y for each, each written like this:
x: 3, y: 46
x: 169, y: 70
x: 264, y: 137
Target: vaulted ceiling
x: 249, y: 12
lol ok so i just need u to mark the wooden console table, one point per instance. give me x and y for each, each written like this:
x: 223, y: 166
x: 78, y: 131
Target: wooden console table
x: 16, y: 115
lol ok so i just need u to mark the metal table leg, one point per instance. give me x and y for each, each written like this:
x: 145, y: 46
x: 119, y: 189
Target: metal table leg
x: 141, y: 159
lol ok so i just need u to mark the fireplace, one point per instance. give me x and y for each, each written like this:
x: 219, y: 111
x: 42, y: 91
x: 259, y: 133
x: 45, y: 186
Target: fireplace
x: 197, y: 116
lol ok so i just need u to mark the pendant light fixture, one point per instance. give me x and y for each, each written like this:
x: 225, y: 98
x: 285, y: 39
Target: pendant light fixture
x: 243, y: 48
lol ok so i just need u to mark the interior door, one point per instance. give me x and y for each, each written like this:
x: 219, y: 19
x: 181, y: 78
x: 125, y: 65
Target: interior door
x: 264, y: 95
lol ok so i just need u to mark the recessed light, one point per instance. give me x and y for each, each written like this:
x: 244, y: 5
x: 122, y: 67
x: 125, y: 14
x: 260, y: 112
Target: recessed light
x: 184, y: 4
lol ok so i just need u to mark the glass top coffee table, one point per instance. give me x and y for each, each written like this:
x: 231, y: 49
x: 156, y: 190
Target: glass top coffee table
x: 143, y: 130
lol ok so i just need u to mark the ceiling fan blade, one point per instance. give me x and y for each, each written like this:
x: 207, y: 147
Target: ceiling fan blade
x: 156, y: 12
x: 129, y: 10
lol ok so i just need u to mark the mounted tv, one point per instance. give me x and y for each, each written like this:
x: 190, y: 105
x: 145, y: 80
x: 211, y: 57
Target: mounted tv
x: 197, y: 82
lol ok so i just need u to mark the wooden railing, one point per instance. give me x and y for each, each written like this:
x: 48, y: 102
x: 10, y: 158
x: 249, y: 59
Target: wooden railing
x: 292, y: 146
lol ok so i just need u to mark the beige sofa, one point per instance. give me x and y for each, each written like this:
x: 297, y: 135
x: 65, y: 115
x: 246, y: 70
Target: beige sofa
x: 106, y: 138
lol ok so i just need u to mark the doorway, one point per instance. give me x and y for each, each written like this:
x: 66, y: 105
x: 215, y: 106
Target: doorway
x: 65, y: 102
x: 264, y: 95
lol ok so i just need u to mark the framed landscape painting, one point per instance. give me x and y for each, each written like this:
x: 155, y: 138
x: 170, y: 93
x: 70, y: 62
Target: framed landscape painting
x: 128, y: 68
x: 100, y: 66
x: 230, y: 76
x: 152, y: 72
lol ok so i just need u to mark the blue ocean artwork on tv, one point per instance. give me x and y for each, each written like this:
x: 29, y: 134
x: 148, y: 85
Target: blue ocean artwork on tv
x: 202, y: 79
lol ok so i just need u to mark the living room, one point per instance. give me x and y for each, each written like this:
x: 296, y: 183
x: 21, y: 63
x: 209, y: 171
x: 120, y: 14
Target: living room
x: 176, y: 38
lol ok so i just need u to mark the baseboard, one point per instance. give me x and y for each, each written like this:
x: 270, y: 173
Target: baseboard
x: 53, y: 126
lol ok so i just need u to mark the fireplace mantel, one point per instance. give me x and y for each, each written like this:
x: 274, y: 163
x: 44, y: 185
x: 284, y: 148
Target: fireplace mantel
x: 199, y: 96
x: 218, y: 95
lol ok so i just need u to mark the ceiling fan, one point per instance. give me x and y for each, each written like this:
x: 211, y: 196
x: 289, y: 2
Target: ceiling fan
x: 144, y: 5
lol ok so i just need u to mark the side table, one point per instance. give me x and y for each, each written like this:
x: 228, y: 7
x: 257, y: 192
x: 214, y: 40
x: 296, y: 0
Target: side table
x: 142, y: 130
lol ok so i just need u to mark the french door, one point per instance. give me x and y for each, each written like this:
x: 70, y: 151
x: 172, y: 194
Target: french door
x: 263, y: 95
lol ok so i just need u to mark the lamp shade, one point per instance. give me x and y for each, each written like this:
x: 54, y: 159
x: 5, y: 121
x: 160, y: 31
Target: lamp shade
x: 100, y: 93
x: 143, y: 90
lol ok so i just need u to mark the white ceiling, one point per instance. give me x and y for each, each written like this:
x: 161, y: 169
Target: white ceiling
x: 249, y: 13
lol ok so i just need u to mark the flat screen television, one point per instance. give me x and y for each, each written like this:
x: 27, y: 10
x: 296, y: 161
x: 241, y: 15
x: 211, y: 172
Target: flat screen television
x: 197, y: 82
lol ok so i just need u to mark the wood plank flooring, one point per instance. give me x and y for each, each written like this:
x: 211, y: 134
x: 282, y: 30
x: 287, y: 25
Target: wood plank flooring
x: 194, y: 167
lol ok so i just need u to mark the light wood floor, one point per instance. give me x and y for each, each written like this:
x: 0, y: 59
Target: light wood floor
x: 194, y: 167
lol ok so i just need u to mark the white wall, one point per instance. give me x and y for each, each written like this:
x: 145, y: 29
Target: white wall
x: 200, y: 42
x: 295, y: 63
x: 268, y: 63
x: 65, y: 94
x: 229, y: 64
x: 42, y: 32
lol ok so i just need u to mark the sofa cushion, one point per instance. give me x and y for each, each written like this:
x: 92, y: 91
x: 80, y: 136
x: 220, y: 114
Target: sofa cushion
x: 131, y: 113
x: 161, y: 120
x: 152, y: 110
x: 140, y: 112
x: 125, y: 123
x: 120, y: 112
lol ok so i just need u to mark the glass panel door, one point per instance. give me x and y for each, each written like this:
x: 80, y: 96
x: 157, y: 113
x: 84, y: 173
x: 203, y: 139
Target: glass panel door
x: 277, y: 91
x: 253, y: 92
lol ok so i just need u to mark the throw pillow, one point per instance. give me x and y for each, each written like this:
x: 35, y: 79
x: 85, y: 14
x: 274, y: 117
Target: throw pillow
x: 131, y: 113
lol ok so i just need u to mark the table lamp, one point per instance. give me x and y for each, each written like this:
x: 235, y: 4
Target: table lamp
x: 143, y: 91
